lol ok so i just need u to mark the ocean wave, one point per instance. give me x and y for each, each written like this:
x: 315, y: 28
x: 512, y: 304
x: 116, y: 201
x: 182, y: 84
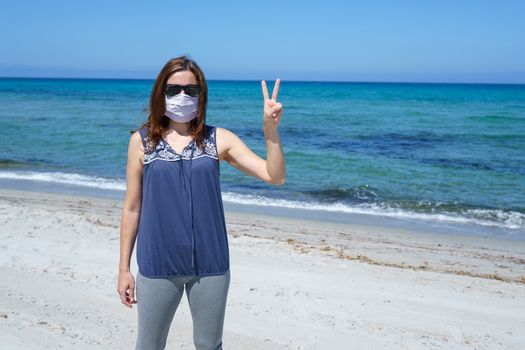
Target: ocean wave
x: 485, y: 217
x: 440, y: 212
x: 66, y: 178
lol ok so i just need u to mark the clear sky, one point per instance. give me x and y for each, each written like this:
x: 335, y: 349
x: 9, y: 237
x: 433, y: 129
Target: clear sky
x: 426, y: 41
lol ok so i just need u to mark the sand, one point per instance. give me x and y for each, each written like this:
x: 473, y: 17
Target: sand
x: 295, y: 284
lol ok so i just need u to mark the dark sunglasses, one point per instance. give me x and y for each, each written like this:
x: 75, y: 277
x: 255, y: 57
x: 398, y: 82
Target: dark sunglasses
x: 175, y: 89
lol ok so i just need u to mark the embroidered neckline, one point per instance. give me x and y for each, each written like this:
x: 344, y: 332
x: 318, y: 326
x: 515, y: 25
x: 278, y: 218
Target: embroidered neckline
x: 164, y: 151
x: 168, y: 145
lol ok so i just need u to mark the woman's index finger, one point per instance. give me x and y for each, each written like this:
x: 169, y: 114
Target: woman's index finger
x: 276, y: 89
x: 264, y: 90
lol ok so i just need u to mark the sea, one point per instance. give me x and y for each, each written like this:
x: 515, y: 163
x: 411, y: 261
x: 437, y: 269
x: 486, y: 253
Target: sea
x: 447, y: 157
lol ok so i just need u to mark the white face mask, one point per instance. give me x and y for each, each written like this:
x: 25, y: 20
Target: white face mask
x: 182, y: 108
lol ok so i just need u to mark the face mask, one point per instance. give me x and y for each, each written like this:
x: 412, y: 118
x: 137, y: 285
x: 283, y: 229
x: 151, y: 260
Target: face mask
x: 182, y: 108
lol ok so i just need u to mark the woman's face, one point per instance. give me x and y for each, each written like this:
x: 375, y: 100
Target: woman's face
x: 185, y: 77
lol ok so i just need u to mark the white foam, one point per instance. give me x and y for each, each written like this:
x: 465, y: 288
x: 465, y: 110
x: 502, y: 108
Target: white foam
x: 485, y: 217
x: 66, y: 178
x: 510, y: 220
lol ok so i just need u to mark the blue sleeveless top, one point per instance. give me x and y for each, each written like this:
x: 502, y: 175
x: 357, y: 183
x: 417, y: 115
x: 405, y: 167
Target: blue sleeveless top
x: 182, y: 230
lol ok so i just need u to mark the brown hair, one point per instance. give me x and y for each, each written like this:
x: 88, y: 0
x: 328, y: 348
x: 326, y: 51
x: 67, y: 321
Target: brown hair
x: 157, y: 122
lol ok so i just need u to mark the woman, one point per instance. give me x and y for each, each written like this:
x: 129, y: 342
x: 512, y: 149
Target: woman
x: 173, y: 206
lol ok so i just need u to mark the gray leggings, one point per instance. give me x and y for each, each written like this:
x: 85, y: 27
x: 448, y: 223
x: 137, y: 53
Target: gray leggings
x: 158, y: 299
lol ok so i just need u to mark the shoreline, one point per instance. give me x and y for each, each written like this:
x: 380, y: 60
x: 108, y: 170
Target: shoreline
x: 370, y: 219
x: 295, y: 283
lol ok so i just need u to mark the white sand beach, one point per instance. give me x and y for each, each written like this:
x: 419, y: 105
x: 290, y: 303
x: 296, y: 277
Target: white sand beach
x: 295, y: 284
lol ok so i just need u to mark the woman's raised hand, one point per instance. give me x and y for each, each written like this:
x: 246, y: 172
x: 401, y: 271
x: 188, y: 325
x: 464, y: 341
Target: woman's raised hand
x: 273, y: 110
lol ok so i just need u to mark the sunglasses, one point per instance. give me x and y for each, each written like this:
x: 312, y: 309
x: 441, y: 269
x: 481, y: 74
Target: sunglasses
x: 175, y: 89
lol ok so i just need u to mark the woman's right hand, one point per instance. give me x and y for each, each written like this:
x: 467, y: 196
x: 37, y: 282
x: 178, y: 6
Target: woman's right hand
x: 126, y: 288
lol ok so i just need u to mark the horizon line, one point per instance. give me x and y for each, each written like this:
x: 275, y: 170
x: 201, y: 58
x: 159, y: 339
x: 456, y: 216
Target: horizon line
x: 287, y: 80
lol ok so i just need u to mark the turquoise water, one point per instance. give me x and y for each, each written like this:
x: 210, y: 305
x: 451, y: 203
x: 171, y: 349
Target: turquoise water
x: 438, y: 152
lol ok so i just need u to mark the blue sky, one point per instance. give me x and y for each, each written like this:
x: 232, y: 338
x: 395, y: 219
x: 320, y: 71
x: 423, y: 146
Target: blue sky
x: 427, y: 41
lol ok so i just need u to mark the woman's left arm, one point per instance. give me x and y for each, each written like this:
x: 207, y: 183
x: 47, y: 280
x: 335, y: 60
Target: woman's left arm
x: 234, y: 150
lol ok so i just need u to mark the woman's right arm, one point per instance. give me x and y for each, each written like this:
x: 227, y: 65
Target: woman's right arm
x: 130, y: 218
